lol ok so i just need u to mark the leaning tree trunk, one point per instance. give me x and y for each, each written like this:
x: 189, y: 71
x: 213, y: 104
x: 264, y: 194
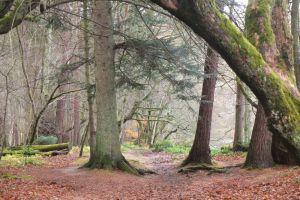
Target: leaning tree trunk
x: 239, y: 119
x: 107, y: 153
x: 273, y: 86
x: 200, y: 152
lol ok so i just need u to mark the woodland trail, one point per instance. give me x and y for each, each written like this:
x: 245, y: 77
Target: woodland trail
x: 60, y: 178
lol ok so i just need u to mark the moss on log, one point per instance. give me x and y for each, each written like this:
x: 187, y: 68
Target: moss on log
x: 34, y: 149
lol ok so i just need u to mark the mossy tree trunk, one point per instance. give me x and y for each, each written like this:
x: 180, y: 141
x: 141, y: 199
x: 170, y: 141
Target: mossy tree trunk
x: 107, y: 153
x: 200, y: 151
x: 270, y: 82
x: 280, y: 24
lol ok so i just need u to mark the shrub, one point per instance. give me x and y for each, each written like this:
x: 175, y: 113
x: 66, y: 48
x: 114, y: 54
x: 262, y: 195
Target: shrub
x: 162, y: 145
x: 168, y: 146
x: 129, y: 145
x: 45, y: 140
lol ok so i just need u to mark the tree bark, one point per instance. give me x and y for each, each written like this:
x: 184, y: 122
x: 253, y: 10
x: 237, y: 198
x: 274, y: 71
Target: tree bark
x: 200, y: 152
x: 76, y: 117
x: 239, y: 119
x: 107, y: 153
x: 90, y: 97
x: 280, y: 23
x: 273, y: 86
x: 15, y: 134
x: 60, y: 110
x: 247, y: 125
x: 259, y: 153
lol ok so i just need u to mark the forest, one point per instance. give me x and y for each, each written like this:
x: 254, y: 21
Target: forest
x: 149, y: 99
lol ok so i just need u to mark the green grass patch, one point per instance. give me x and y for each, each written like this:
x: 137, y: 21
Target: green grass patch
x: 225, y: 150
x: 129, y: 146
x: 19, y: 160
x: 170, y: 147
x: 11, y: 176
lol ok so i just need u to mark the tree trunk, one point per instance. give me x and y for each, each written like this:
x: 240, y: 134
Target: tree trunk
x: 295, y: 33
x: 239, y: 119
x: 76, y: 125
x: 247, y: 125
x: 107, y: 153
x: 90, y: 97
x: 200, y: 152
x: 273, y: 86
x: 60, y: 117
x: 15, y: 134
x: 280, y: 24
x: 259, y: 153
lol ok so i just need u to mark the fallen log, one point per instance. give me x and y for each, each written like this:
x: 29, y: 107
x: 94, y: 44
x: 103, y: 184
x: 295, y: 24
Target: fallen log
x: 50, y: 147
x: 35, y: 149
x: 61, y: 152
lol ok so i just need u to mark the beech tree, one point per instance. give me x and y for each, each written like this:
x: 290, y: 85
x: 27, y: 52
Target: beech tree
x: 107, y: 152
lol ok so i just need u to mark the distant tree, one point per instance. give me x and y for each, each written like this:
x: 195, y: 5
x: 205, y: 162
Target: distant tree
x: 200, y: 151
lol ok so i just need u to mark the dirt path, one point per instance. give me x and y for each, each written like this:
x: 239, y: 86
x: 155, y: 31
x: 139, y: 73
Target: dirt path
x: 60, y: 178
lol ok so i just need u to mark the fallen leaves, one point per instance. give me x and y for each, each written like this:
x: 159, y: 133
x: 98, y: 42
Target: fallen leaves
x: 60, y: 178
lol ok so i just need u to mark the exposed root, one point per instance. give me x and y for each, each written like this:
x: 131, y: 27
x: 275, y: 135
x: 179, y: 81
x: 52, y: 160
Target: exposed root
x: 202, y: 166
x: 122, y: 165
x: 125, y: 166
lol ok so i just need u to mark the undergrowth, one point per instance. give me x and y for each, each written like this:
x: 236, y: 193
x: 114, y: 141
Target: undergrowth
x: 19, y: 160
x: 10, y: 176
x: 170, y: 147
x: 129, y: 145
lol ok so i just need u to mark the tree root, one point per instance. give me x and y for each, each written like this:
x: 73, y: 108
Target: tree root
x: 210, y: 168
x: 122, y: 165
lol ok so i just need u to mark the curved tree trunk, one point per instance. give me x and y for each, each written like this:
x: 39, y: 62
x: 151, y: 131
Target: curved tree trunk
x: 273, y: 86
x: 107, y: 153
x: 200, y: 152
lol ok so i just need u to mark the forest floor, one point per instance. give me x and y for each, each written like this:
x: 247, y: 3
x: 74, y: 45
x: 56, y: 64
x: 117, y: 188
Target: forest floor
x: 60, y: 178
